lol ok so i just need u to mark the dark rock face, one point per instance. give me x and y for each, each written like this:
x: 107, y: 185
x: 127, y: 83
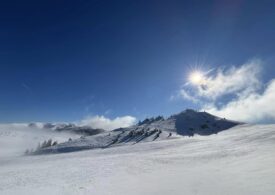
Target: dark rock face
x: 69, y: 127
x: 191, y: 122
x: 84, y: 130
x: 148, y: 121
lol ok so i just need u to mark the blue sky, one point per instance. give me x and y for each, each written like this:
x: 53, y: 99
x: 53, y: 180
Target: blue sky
x: 67, y: 60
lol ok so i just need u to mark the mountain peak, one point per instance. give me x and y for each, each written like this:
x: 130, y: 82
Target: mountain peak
x: 190, y: 122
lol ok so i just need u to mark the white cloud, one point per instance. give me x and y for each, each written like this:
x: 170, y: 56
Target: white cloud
x: 108, y: 124
x: 255, y: 107
x: 236, y: 80
x: 186, y: 95
x: 247, y: 98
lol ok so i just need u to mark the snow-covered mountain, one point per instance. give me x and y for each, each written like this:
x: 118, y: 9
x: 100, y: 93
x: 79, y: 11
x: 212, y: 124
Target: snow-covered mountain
x: 187, y: 153
x: 186, y: 123
x: 238, y: 161
x: 190, y: 122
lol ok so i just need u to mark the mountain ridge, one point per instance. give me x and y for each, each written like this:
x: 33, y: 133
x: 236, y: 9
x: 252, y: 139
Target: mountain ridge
x: 186, y: 123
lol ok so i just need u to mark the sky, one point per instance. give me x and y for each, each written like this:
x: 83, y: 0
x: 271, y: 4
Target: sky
x: 121, y: 61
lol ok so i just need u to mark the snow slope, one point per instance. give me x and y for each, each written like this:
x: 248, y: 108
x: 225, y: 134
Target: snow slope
x: 238, y: 161
x: 120, y: 137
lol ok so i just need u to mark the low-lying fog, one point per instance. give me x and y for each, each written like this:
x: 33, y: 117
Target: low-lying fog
x: 15, y: 139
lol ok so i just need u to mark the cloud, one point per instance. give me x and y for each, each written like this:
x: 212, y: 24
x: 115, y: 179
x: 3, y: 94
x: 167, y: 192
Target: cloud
x: 15, y: 138
x: 235, y: 80
x: 254, y: 107
x: 244, y: 79
x: 108, y: 124
x: 183, y: 94
x: 236, y: 93
x: 187, y: 95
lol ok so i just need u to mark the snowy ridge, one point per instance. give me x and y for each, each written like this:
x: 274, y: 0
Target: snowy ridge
x: 187, y: 123
x: 106, y: 140
x: 190, y: 122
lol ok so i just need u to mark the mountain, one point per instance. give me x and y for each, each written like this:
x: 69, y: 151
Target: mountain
x: 190, y: 122
x: 186, y: 123
x: 238, y: 161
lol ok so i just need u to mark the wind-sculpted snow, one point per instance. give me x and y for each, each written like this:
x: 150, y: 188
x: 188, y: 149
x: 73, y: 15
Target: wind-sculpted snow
x: 238, y: 161
x: 110, y: 139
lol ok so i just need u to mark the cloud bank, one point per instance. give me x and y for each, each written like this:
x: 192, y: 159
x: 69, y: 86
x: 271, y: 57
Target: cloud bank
x: 236, y: 93
x: 102, y: 122
x: 255, y: 107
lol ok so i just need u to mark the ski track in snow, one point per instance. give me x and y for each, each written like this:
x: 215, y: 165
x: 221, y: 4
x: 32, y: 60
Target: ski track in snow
x: 238, y: 161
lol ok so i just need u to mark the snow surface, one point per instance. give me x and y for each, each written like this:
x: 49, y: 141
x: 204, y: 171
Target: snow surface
x: 238, y: 161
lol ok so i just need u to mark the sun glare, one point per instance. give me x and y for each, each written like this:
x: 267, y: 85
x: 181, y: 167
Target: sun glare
x: 196, y: 78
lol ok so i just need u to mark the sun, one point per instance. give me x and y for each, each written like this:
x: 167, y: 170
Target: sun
x: 196, y: 78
